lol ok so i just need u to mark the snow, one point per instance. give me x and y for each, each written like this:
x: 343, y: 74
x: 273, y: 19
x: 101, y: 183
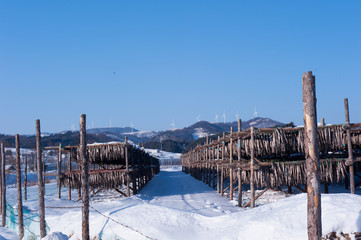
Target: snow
x: 199, y: 133
x: 174, y: 205
x: 7, y: 234
x: 148, y: 134
x: 56, y: 236
x: 253, y: 123
x: 163, y: 154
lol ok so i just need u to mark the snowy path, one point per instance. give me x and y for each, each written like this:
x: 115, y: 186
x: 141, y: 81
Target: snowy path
x: 177, y: 190
x: 176, y: 206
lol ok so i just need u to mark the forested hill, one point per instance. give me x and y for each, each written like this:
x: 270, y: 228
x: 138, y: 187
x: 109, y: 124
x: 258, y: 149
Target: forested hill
x: 175, y: 140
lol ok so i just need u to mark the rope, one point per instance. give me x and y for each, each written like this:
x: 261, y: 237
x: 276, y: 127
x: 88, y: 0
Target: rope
x: 122, y: 224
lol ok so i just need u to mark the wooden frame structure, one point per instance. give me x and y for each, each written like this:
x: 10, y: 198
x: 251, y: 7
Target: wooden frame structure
x: 111, y: 166
x: 272, y: 157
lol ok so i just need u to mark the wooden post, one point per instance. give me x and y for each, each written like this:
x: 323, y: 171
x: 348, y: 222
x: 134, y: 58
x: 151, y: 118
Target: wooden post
x: 26, y: 178
x: 127, y: 166
x: 214, y: 176
x: 349, y: 161
x: 289, y: 189
x: 230, y: 168
x: 84, y: 178
x: 218, y: 189
x: 218, y: 149
x: 239, y: 187
x: 58, y: 168
x: 134, y: 177
x: 325, y: 183
x: 252, y: 168
x: 312, y: 157
x: 3, y: 186
x: 222, y: 180
x: 41, y: 186
x: 239, y: 140
x: 222, y: 171
x: 43, y: 167
x: 18, y: 180
x: 69, y: 167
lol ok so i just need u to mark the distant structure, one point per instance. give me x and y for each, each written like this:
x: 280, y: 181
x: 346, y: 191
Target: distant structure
x: 132, y: 126
x: 199, y: 118
x: 110, y: 123
x: 255, y: 114
x: 224, y: 117
x: 237, y: 116
x: 216, y: 118
x: 172, y: 125
x: 92, y: 124
x: 72, y: 128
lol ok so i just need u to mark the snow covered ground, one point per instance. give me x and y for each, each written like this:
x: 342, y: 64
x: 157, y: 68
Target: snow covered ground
x: 174, y: 205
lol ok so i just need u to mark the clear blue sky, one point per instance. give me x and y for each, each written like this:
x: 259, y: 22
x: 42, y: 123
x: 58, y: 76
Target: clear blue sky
x: 151, y: 62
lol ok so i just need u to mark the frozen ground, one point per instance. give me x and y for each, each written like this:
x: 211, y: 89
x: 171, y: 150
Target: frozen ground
x: 174, y: 205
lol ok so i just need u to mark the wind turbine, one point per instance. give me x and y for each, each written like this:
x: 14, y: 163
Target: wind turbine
x: 132, y: 126
x: 110, y: 123
x: 172, y: 125
x: 199, y: 118
x: 72, y: 127
x: 224, y: 117
x: 92, y: 124
x: 237, y: 116
x: 216, y: 118
x: 255, y: 114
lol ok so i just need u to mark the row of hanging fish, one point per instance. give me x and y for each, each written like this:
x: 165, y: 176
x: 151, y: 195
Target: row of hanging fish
x: 284, y: 173
x: 281, y: 142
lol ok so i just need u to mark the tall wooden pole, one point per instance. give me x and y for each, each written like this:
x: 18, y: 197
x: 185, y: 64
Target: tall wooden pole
x: 239, y: 187
x: 41, y: 186
x: 218, y: 149
x: 3, y: 186
x: 222, y: 170
x: 43, y: 156
x: 314, y: 225
x: 239, y: 140
x: 206, y: 162
x: 230, y: 168
x: 84, y: 178
x: 26, y: 178
x: 18, y: 179
x: 349, y: 161
x: 252, y: 168
x: 239, y: 173
x: 218, y: 190
x: 127, y: 166
x: 69, y: 167
x: 58, y: 168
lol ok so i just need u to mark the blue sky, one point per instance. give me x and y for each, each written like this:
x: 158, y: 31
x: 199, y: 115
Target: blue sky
x: 151, y: 62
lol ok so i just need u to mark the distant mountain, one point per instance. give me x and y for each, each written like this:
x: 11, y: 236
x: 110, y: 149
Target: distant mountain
x: 177, y: 140
x: 65, y: 138
x: 119, y: 134
x: 181, y: 139
x: 112, y: 130
x: 257, y: 122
